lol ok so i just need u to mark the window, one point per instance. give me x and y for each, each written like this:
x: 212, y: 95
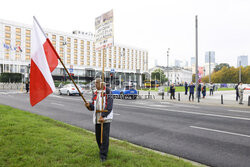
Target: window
x: 7, y: 41
x: 7, y: 28
x: 7, y: 35
x: 18, y: 37
x: 27, y: 45
x: 18, y: 30
x: 27, y: 32
x: 68, y: 40
x: 53, y: 37
x: 27, y: 38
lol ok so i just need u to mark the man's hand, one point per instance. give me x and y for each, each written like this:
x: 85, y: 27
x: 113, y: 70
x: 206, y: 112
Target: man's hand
x: 101, y: 120
x: 87, y: 105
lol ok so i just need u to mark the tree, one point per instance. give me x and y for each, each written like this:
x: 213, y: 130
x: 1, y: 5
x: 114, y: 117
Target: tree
x: 159, y: 75
x: 220, y: 66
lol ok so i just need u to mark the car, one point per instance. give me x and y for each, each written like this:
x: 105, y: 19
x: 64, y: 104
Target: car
x: 70, y: 89
x: 125, y: 93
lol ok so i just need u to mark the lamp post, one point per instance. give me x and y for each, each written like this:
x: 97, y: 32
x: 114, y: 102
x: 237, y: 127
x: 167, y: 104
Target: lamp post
x: 240, y: 71
x: 168, y: 68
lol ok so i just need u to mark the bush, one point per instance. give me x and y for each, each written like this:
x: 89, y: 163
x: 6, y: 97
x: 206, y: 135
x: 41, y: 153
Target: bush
x: 11, y: 77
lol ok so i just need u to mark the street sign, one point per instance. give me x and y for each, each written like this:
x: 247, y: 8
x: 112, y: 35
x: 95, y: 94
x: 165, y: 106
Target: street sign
x: 112, y: 70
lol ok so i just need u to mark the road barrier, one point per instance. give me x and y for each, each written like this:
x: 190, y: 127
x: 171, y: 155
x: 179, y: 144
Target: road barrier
x: 179, y: 96
x: 248, y: 100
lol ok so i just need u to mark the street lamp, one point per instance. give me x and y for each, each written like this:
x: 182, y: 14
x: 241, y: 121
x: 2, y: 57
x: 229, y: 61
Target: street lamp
x: 168, y: 68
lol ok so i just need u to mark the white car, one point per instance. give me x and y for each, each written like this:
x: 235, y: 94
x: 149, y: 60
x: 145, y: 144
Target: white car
x: 70, y: 89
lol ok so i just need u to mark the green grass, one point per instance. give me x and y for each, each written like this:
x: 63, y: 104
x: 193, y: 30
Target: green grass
x: 28, y: 139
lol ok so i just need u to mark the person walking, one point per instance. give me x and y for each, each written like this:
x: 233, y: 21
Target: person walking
x: 186, y: 88
x: 211, y: 89
x: 172, y: 91
x: 102, y: 100
x: 191, y: 91
x: 237, y: 91
x: 241, y: 90
x: 204, y: 90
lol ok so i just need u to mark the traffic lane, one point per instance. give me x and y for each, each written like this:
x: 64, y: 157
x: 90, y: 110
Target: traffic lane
x: 172, y: 136
x: 231, y: 124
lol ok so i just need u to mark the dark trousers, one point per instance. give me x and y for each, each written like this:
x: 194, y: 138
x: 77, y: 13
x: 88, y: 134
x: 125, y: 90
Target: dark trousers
x: 104, y: 147
x: 237, y: 96
x: 172, y: 95
x: 211, y: 92
x: 191, y: 94
x: 186, y: 90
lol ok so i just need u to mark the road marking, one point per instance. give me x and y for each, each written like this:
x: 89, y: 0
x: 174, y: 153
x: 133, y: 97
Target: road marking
x: 195, y: 113
x: 239, y: 111
x: 116, y: 114
x: 186, y: 106
x: 57, y: 104
x: 220, y: 131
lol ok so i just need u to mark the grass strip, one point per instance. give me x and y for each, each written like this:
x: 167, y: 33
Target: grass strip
x: 28, y: 139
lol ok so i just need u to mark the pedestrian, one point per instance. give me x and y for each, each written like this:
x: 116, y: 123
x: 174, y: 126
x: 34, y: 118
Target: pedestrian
x: 199, y: 91
x: 27, y: 86
x: 241, y: 90
x: 204, y: 90
x: 102, y: 117
x: 186, y: 88
x: 211, y: 88
x: 191, y: 91
x: 172, y: 91
x: 237, y: 91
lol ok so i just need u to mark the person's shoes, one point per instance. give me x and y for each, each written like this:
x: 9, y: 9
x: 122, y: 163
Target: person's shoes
x: 241, y: 103
x: 103, y: 159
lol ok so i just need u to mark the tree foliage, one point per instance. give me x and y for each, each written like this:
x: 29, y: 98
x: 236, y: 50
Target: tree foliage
x: 159, y: 75
x: 229, y: 75
x: 11, y: 77
x: 220, y: 66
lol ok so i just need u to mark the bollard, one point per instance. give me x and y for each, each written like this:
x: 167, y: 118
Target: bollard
x: 148, y: 92
x: 248, y: 100
x: 179, y: 97
x: 221, y: 99
x: 163, y: 96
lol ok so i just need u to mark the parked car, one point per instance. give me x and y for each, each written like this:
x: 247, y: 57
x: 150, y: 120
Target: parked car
x: 125, y: 93
x: 70, y: 89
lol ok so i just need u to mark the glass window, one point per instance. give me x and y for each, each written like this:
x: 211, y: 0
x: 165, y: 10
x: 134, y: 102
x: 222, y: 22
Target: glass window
x: 54, y: 37
x: 27, y: 38
x: 68, y: 39
x: 28, y: 32
x: 7, y: 28
x: 18, y: 37
x: 7, y: 35
x: 18, y: 30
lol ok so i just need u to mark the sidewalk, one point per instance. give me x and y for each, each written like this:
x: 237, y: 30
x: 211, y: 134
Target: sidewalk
x: 229, y: 98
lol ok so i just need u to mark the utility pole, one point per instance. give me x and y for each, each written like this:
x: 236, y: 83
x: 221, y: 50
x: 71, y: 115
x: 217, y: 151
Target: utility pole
x: 240, y: 71
x: 209, y: 67
x: 196, y: 53
x: 168, y: 68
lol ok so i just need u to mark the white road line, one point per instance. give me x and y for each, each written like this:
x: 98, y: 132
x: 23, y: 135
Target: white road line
x: 116, y: 114
x: 194, y: 113
x: 57, y: 104
x: 186, y: 106
x: 220, y: 131
x: 240, y: 111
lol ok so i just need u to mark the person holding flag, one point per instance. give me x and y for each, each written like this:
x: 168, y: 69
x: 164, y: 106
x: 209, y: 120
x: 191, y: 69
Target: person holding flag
x: 102, y: 98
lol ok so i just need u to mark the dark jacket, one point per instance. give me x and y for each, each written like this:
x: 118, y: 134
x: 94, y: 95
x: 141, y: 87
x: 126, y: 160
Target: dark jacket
x: 191, y: 88
x: 199, y: 87
x: 172, y: 89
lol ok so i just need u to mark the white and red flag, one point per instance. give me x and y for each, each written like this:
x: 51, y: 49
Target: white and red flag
x: 44, y: 60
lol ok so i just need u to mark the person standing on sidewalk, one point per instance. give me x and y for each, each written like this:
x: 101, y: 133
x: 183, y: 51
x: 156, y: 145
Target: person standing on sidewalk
x: 241, y: 90
x: 204, y: 90
x: 27, y: 86
x: 211, y: 88
x: 191, y: 91
x: 186, y: 88
x: 172, y: 91
x: 199, y: 91
x: 102, y: 117
x: 237, y: 91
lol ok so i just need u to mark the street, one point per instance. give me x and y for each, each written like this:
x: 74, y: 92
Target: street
x: 211, y: 135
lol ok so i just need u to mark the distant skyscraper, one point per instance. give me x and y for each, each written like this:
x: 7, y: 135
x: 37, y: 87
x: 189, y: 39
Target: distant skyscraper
x: 192, y: 61
x: 242, y: 60
x: 212, y: 57
x: 177, y: 63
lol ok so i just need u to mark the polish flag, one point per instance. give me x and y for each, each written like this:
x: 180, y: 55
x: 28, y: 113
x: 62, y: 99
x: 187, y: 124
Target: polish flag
x: 44, y: 60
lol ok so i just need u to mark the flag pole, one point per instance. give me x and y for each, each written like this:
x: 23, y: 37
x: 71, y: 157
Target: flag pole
x: 102, y: 92
x: 60, y: 61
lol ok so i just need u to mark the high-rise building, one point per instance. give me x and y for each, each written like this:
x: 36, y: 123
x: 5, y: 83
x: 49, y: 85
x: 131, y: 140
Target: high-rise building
x: 193, y: 61
x: 242, y: 61
x: 210, y: 54
x: 77, y: 51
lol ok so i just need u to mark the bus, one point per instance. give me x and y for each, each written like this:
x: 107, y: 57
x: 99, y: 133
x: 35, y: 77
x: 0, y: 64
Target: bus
x: 155, y: 83
x: 147, y: 84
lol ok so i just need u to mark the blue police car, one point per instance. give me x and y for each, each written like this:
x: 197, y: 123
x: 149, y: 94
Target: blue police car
x: 125, y: 93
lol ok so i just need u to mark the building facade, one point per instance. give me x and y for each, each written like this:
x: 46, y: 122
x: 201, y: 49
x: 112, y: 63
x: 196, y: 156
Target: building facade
x: 242, y: 61
x: 77, y: 51
x: 176, y: 75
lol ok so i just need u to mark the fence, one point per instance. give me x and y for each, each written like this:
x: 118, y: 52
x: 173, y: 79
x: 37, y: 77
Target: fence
x: 11, y: 86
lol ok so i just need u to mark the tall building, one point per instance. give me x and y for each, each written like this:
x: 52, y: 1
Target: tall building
x: 209, y: 57
x: 242, y: 61
x: 193, y: 61
x: 77, y: 51
x: 210, y: 54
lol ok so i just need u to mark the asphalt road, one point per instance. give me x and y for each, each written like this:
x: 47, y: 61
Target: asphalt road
x: 211, y: 135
